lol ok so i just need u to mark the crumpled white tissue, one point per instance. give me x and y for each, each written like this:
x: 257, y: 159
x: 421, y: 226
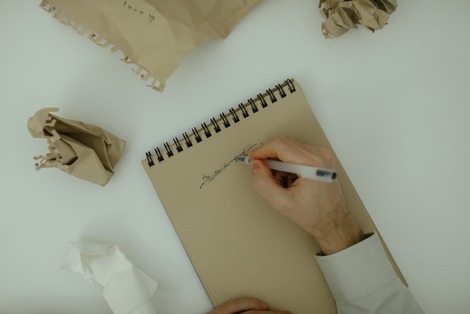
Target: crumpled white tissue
x: 126, y: 288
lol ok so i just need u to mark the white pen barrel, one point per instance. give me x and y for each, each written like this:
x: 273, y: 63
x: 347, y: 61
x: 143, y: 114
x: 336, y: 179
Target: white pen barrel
x: 309, y: 172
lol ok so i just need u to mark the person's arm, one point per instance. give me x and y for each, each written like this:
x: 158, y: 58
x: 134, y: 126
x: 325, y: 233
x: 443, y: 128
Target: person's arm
x: 317, y: 207
x: 358, y: 272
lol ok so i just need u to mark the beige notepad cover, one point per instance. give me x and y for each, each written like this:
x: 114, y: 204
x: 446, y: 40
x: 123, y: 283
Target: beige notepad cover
x: 237, y: 243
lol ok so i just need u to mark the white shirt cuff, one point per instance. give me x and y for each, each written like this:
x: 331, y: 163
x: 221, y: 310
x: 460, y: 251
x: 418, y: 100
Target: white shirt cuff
x: 357, y: 271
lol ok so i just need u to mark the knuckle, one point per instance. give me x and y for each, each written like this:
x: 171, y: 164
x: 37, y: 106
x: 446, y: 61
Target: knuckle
x: 328, y: 156
x: 322, y: 157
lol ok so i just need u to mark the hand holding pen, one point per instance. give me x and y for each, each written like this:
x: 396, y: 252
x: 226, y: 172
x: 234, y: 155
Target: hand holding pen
x: 307, y: 172
x: 314, y: 205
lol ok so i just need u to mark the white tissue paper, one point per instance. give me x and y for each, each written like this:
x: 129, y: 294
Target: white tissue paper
x: 126, y: 288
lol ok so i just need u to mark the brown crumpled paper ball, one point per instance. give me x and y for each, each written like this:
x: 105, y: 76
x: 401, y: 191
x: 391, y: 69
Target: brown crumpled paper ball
x: 342, y: 15
x: 85, y: 151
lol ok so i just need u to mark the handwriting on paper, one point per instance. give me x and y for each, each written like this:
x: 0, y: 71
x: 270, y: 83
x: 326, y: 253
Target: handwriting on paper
x: 206, y: 179
x: 132, y: 8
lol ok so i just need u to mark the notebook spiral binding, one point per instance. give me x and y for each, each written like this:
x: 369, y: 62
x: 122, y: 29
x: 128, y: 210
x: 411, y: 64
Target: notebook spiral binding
x: 216, y: 125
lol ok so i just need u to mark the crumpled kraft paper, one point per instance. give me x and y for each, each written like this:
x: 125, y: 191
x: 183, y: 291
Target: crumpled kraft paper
x: 342, y: 15
x: 126, y: 288
x: 85, y: 151
x: 155, y: 35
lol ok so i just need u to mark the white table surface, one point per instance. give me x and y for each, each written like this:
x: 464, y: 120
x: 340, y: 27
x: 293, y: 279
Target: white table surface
x: 395, y: 106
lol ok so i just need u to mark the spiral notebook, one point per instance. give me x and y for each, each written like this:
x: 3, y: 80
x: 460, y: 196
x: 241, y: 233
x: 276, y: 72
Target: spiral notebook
x: 237, y: 243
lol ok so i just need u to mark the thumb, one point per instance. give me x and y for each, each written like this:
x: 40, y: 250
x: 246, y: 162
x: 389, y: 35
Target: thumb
x: 266, y: 186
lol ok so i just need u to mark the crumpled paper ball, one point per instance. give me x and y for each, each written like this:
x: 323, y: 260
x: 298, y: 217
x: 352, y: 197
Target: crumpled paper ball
x: 85, y: 151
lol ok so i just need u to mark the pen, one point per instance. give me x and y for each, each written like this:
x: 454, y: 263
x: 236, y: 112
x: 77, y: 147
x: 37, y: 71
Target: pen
x: 309, y: 172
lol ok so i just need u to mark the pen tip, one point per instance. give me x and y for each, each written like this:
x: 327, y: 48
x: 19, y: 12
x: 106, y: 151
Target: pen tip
x: 244, y: 159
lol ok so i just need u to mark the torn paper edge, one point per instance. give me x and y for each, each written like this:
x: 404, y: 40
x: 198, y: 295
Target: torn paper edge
x: 99, y: 40
x: 53, y: 157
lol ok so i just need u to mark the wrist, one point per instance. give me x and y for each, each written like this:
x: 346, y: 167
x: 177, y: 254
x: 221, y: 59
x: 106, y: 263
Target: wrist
x: 338, y: 237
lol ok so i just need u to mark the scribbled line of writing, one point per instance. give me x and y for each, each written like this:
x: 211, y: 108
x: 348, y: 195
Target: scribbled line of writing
x: 129, y: 7
x: 209, y: 178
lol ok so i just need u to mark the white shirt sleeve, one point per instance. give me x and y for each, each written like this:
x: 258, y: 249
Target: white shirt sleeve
x: 362, y: 280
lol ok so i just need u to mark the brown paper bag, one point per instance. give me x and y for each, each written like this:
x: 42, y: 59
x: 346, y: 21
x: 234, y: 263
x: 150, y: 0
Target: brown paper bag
x: 153, y: 34
x: 83, y: 150
x: 342, y: 15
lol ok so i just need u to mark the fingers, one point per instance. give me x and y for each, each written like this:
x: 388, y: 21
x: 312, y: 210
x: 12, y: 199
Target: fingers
x: 326, y: 155
x: 290, y: 151
x: 245, y: 305
x: 267, y: 186
x: 265, y: 312
x: 240, y: 305
x: 279, y: 148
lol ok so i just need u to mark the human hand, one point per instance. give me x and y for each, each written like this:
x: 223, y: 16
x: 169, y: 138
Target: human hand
x: 317, y: 207
x: 245, y: 305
